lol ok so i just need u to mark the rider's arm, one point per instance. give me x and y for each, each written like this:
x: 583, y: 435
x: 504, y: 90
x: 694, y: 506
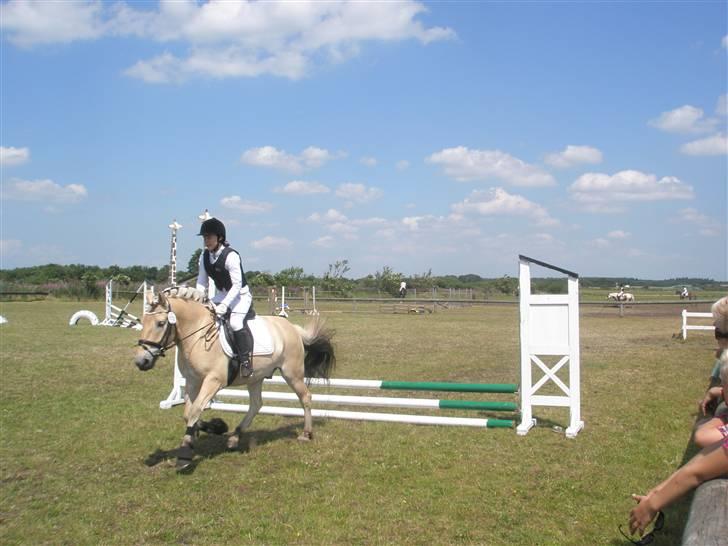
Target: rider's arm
x: 235, y: 268
x: 202, y: 280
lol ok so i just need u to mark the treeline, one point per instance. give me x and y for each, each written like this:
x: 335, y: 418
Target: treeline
x: 83, y: 281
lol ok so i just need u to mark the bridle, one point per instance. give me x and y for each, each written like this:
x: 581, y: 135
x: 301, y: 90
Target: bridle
x: 158, y: 348
x: 163, y: 344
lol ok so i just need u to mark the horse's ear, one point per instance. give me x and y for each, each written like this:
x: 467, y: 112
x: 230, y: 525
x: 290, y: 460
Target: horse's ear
x: 149, y: 298
x: 162, y: 300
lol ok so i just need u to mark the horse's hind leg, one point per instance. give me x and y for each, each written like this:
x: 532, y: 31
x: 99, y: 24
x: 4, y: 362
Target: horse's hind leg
x: 256, y: 402
x: 304, y: 395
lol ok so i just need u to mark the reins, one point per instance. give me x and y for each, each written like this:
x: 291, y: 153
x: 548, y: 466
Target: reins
x: 163, y: 344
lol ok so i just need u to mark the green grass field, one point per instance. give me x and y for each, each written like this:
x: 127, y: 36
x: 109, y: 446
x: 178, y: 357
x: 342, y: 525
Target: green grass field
x: 86, y: 451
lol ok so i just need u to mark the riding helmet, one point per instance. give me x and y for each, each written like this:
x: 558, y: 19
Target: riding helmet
x: 213, y: 226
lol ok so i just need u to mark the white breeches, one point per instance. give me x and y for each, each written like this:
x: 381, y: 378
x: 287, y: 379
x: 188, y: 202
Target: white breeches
x: 239, y: 307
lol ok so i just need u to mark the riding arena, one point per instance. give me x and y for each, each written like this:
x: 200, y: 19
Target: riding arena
x: 400, y: 453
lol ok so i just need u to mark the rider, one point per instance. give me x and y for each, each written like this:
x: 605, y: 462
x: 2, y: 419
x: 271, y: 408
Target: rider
x: 223, y: 265
x: 684, y: 292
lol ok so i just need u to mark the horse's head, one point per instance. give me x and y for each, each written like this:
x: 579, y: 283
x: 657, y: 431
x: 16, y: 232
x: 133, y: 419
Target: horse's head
x: 157, y: 332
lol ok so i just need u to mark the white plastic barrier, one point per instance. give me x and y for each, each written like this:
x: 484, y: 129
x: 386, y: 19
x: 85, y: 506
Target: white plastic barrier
x: 685, y: 326
x: 88, y: 315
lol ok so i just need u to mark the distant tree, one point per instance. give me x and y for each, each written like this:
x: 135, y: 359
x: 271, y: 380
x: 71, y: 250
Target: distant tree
x: 388, y: 280
x: 260, y: 278
x: 505, y: 285
x: 423, y: 282
x: 334, y: 280
x: 192, y: 265
x: 291, y: 276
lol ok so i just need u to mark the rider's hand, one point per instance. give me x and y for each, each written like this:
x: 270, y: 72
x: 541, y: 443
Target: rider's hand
x: 221, y: 309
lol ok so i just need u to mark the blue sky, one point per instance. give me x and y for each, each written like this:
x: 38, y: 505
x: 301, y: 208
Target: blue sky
x: 448, y: 136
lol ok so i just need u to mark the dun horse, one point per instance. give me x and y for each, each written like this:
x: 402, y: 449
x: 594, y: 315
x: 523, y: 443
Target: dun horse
x: 180, y: 318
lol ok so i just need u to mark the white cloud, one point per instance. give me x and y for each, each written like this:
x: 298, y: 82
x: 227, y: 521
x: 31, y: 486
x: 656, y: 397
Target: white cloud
x: 331, y: 215
x: 686, y: 119
x: 268, y: 156
x: 600, y: 192
x: 721, y: 107
x: 43, y: 190
x: 712, y: 145
x: 300, y: 187
x: 619, y: 234
x: 369, y: 161
x: 402, y: 165
x: 13, y: 156
x: 464, y: 164
x: 707, y: 226
x: 225, y: 39
x: 497, y: 201
x: 327, y: 241
x: 724, y: 41
x: 235, y: 202
x: 574, y: 155
x: 358, y: 193
x: 10, y: 247
x: 601, y: 242
x: 27, y: 23
x: 412, y: 222
x: 270, y: 242
x: 371, y: 222
x: 346, y: 230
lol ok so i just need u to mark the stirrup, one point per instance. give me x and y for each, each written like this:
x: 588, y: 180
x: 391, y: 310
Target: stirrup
x: 246, y: 370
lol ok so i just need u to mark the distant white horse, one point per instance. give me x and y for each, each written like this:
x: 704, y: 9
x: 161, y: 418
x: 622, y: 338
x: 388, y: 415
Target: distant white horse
x: 621, y: 296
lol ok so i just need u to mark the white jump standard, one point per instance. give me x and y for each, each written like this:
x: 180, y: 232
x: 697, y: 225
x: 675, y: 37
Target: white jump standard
x: 549, y: 328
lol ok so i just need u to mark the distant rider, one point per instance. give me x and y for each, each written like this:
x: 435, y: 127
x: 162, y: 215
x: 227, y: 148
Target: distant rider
x: 223, y: 265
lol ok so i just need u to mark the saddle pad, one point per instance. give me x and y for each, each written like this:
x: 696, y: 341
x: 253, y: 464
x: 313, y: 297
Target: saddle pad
x: 262, y: 340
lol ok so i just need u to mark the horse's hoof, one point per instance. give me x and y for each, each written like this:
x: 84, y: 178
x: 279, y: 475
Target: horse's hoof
x: 305, y: 437
x: 233, y: 442
x: 183, y: 465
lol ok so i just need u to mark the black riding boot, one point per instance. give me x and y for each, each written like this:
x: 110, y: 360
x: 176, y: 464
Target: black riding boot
x: 241, y: 346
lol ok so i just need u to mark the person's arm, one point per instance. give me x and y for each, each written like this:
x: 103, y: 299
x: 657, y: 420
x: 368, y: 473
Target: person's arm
x: 709, y: 463
x: 235, y: 268
x: 202, y: 279
x: 712, y: 394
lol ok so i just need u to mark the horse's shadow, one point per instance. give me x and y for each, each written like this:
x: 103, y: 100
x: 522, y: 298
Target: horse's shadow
x: 209, y: 446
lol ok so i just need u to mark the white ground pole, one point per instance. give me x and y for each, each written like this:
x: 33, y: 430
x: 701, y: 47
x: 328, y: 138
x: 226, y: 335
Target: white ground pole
x: 549, y: 327
x: 685, y: 326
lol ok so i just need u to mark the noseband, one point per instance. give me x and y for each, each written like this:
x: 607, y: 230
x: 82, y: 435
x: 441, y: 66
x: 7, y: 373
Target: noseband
x: 163, y: 344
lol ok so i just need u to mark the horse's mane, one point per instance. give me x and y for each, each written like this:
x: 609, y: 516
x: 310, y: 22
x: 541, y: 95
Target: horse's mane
x: 720, y: 314
x: 185, y: 293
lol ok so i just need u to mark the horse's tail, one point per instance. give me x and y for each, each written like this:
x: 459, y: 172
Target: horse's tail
x: 320, y: 359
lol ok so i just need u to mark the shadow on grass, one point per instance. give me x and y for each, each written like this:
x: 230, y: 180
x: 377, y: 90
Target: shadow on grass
x: 209, y: 446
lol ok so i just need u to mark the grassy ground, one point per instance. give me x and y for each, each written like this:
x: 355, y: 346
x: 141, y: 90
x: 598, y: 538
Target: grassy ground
x: 85, y: 457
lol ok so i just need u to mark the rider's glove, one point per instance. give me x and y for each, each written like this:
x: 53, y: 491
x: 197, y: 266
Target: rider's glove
x: 221, y: 309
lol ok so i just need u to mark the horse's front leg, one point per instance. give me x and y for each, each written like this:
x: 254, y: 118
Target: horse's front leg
x: 193, y: 410
x: 256, y: 402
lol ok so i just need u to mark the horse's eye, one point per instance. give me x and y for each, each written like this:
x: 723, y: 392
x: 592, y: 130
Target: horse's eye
x: 160, y: 323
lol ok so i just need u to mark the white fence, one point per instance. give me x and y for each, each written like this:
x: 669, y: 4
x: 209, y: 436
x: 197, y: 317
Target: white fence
x: 685, y: 326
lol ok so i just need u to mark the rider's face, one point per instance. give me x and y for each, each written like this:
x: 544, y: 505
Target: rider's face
x: 211, y: 241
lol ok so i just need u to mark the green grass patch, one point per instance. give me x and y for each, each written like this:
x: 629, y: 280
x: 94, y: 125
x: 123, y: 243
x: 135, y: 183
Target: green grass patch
x: 86, y: 452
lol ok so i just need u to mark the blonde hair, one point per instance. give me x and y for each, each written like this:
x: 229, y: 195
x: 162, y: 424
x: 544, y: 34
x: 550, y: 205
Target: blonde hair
x: 720, y: 314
